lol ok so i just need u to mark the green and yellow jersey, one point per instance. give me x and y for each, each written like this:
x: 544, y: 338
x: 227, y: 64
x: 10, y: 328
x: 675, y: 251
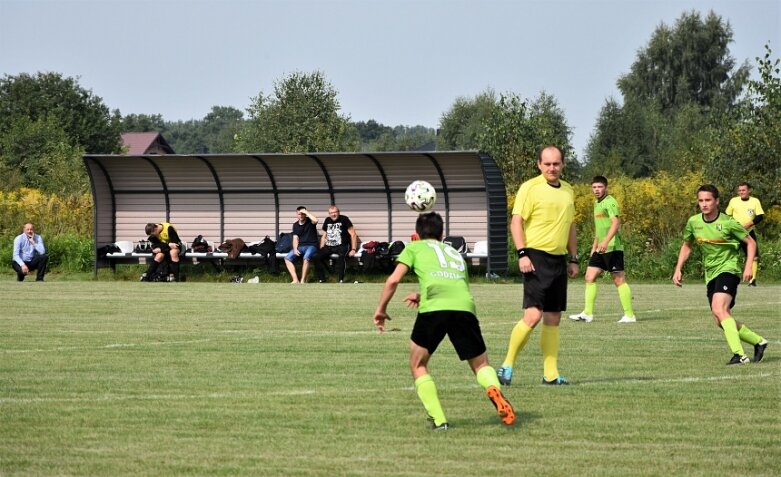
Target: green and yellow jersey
x: 604, y: 211
x: 719, y: 241
x: 442, y: 274
x: 547, y: 213
x: 744, y: 211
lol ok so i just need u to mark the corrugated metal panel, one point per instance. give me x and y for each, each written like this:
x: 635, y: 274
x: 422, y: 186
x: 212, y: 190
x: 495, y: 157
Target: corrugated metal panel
x: 251, y: 196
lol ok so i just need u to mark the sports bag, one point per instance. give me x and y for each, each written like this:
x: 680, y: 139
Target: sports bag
x: 265, y: 247
x: 457, y: 242
x: 143, y: 246
x: 200, y: 245
x: 285, y: 242
x: 396, y: 248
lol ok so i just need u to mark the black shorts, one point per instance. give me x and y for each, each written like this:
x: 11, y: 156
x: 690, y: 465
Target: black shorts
x: 546, y: 287
x: 610, y: 261
x: 744, y: 247
x: 724, y: 283
x: 461, y: 327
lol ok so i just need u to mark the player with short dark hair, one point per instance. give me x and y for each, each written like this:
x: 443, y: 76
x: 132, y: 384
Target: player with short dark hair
x: 607, y: 254
x: 543, y: 231
x: 445, y: 308
x: 719, y: 236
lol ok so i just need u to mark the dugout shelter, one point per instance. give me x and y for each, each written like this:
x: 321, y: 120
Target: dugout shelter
x: 250, y: 196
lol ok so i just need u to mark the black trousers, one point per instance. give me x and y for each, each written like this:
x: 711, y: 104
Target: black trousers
x: 38, y: 263
x: 324, y: 255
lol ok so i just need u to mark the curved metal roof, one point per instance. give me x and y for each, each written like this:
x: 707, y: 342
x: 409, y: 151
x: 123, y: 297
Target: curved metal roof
x: 223, y: 196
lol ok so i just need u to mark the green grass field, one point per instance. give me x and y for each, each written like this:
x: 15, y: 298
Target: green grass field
x: 125, y: 378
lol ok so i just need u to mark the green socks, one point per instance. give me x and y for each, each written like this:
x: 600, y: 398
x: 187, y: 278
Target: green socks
x: 486, y: 376
x: 591, y: 297
x: 748, y: 336
x: 427, y: 392
x: 625, y: 295
x: 731, y: 333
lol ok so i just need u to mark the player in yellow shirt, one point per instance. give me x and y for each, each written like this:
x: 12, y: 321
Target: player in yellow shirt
x: 748, y: 211
x: 543, y: 231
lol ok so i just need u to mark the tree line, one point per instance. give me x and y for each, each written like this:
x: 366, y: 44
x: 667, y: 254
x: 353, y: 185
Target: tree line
x: 685, y: 106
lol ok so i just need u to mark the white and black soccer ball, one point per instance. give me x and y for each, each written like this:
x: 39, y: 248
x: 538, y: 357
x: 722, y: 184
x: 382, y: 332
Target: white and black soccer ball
x: 420, y: 196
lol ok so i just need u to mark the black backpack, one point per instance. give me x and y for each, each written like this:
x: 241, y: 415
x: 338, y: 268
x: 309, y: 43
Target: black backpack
x: 265, y: 247
x: 143, y: 246
x: 285, y: 242
x: 396, y: 248
x: 457, y: 242
x: 200, y: 245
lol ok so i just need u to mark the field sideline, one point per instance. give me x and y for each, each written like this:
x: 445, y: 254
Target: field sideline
x: 125, y: 378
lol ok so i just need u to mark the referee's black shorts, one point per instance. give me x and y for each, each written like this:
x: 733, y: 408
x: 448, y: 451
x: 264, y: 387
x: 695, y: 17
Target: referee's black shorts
x: 546, y: 287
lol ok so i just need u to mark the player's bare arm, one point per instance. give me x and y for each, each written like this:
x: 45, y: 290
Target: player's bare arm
x: 683, y: 255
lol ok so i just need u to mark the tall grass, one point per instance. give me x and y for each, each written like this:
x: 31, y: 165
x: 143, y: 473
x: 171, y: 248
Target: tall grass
x: 107, y: 378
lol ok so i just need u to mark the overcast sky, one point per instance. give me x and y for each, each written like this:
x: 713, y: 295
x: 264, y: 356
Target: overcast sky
x: 400, y: 62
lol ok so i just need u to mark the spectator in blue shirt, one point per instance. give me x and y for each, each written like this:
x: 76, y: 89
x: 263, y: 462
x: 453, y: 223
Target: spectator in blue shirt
x: 29, y: 254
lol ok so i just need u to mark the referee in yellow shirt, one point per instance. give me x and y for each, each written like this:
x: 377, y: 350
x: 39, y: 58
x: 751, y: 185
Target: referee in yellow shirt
x: 543, y: 231
x: 748, y: 211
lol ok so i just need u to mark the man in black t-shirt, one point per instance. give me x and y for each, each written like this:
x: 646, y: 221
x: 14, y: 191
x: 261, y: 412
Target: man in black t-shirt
x: 339, y: 238
x: 304, y: 243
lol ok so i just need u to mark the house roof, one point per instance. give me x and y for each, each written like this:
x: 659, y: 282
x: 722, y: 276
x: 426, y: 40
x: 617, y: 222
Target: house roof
x: 145, y: 143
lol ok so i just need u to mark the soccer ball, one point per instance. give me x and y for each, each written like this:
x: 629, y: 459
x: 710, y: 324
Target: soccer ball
x: 420, y: 196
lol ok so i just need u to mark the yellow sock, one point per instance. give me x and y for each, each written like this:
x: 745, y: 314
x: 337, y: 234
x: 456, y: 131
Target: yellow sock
x: 518, y: 338
x: 427, y: 392
x: 486, y: 376
x: 754, y: 270
x: 731, y: 333
x: 748, y: 336
x: 591, y: 297
x: 549, y: 342
x: 625, y: 296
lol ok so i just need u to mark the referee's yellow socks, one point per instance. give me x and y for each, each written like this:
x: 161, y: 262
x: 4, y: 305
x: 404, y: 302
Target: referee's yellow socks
x: 549, y: 342
x: 518, y: 338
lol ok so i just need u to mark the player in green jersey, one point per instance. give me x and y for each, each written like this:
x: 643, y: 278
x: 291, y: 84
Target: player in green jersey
x: 607, y: 254
x: 445, y: 307
x: 719, y: 237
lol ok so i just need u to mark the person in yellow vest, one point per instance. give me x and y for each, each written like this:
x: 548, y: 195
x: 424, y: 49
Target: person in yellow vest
x: 166, y: 245
x: 748, y: 211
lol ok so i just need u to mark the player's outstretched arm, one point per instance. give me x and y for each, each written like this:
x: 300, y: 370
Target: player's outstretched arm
x: 381, y: 313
